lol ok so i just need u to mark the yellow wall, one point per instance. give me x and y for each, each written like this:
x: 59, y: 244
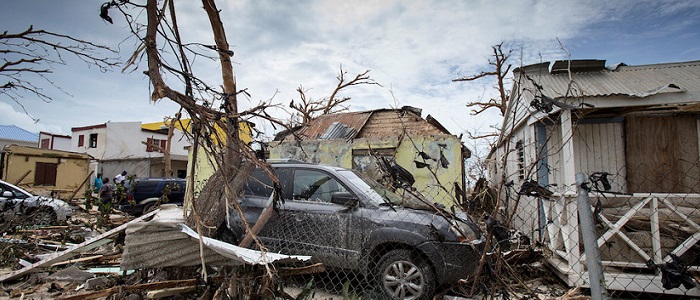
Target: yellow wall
x: 339, y: 153
x: 71, y: 171
x: 245, y: 130
x: 204, y: 168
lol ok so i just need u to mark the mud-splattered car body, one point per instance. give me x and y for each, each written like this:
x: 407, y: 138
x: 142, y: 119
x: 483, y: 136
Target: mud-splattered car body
x: 16, y: 202
x: 347, y: 221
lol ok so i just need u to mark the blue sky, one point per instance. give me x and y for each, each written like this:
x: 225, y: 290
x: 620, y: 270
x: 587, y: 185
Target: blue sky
x: 413, y: 48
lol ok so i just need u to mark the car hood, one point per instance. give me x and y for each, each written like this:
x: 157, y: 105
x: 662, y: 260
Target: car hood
x: 60, y: 207
x: 441, y: 224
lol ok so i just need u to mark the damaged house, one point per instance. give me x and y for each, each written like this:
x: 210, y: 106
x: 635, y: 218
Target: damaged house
x: 400, y: 138
x: 633, y: 131
x: 131, y: 146
x: 45, y: 171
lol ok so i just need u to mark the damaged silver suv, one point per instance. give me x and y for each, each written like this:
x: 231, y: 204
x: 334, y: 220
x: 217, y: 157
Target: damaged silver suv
x: 349, y: 222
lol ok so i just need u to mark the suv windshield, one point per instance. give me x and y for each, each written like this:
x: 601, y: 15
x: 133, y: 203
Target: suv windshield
x: 380, y: 194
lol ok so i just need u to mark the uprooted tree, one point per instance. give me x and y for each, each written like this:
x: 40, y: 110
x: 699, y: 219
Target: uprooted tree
x: 213, y: 109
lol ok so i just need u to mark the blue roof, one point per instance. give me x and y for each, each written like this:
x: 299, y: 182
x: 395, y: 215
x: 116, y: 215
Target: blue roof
x: 14, y: 133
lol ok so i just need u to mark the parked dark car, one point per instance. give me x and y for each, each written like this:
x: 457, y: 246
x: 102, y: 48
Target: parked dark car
x: 143, y: 194
x: 16, y: 202
x: 349, y: 222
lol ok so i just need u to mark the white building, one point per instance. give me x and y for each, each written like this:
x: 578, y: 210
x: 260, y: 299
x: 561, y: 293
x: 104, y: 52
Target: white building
x: 54, y: 141
x: 129, y: 146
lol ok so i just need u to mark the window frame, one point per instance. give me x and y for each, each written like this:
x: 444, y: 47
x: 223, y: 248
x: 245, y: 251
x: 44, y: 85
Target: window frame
x: 92, y: 140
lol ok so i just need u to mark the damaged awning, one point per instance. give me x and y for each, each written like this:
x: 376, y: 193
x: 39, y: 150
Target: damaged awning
x: 166, y: 241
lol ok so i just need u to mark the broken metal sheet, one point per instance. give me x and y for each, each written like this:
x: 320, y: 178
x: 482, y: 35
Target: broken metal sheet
x: 667, y: 88
x: 166, y: 241
x: 68, y: 253
x: 338, y: 131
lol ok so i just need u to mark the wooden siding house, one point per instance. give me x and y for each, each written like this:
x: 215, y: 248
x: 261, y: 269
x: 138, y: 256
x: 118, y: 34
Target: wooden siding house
x: 639, y: 124
x: 356, y: 140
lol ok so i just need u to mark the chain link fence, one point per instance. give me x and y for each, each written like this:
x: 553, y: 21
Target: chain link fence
x: 646, y: 224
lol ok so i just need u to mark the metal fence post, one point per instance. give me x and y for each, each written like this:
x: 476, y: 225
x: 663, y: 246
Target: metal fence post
x: 590, y: 244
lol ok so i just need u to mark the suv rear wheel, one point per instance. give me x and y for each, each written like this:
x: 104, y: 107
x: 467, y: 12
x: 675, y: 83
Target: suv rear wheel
x: 405, y: 276
x: 149, y: 208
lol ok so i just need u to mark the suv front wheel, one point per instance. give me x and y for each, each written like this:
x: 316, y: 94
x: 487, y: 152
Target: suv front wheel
x: 405, y: 276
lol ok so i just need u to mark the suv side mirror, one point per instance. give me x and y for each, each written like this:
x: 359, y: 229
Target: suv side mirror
x: 344, y: 199
x: 8, y: 194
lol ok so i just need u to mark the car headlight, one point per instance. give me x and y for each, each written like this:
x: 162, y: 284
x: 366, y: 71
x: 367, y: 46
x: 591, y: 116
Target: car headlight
x: 462, y: 231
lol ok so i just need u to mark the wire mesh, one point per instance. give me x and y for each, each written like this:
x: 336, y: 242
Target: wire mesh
x: 647, y: 229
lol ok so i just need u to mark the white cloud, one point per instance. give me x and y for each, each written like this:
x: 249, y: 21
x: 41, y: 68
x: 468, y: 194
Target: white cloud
x: 413, y: 49
x: 20, y: 119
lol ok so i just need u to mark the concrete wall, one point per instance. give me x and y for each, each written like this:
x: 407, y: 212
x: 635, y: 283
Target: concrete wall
x: 405, y: 152
x: 71, y: 171
x: 99, y: 151
x: 56, y: 142
x: 203, y: 168
x: 123, y: 140
x: 133, y: 167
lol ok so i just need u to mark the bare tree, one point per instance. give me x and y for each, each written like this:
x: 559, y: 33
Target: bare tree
x: 500, y: 71
x: 170, y: 123
x: 308, y: 109
x: 211, y: 107
x: 35, y: 52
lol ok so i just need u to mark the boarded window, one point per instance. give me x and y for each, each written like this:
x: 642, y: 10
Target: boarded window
x: 93, y: 140
x: 81, y: 140
x: 45, y: 143
x: 45, y: 174
x: 662, y: 154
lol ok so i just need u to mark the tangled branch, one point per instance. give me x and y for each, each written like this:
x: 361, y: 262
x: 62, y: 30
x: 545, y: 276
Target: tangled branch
x: 308, y: 109
x: 35, y: 52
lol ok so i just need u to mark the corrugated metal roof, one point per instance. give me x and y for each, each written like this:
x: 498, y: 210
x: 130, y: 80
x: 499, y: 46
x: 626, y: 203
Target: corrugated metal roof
x: 338, y: 131
x: 165, y: 241
x: 634, y: 81
x: 14, y: 133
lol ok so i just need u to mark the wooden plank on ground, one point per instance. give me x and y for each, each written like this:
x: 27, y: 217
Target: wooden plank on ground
x: 146, y: 286
x: 67, y: 254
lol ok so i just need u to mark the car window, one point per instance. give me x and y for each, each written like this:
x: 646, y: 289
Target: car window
x: 16, y: 194
x: 179, y: 187
x: 315, y: 186
x: 258, y: 184
x: 174, y: 187
x: 145, y: 186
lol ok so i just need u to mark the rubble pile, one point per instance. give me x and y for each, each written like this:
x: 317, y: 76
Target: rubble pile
x: 84, y: 260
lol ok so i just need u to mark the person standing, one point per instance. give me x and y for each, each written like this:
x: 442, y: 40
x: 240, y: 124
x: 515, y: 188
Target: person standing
x: 119, y: 179
x: 105, y: 192
x: 98, y: 183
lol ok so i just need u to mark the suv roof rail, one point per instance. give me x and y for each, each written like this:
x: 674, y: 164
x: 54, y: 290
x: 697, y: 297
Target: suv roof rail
x: 285, y: 160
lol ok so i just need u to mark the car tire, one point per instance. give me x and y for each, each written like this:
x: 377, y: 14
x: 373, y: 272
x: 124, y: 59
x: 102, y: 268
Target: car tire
x: 404, y: 275
x: 43, y: 216
x: 148, y: 208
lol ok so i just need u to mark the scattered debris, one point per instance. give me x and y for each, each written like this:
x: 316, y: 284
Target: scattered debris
x: 157, y: 256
